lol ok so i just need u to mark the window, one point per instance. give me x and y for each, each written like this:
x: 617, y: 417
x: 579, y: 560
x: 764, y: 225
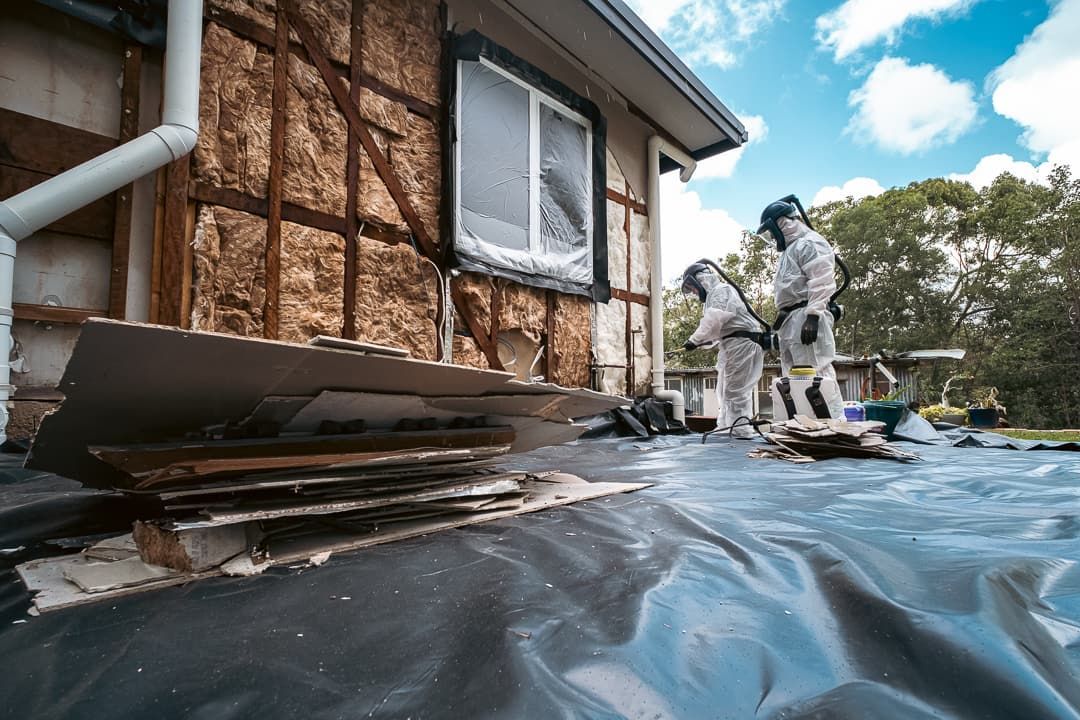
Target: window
x: 527, y: 175
x: 673, y: 384
x: 710, y: 383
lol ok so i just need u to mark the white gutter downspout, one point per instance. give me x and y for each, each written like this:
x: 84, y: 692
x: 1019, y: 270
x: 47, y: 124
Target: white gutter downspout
x: 656, y: 282
x: 44, y: 204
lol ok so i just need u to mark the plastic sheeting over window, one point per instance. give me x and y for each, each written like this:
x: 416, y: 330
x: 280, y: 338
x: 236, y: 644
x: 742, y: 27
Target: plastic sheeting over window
x: 494, y: 164
x: 525, y: 182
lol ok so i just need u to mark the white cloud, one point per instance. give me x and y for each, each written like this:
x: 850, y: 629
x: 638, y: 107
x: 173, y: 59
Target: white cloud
x: 989, y: 167
x: 690, y: 231
x: 859, y: 23
x: 1038, y: 88
x: 909, y: 108
x: 708, y: 32
x: 856, y: 188
x: 723, y: 165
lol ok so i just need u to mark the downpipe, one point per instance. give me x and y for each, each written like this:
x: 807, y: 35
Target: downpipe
x: 656, y: 282
x: 23, y: 214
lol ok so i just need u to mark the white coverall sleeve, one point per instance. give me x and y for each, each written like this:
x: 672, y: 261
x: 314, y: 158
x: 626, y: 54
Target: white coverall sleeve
x: 820, y: 277
x: 711, y: 327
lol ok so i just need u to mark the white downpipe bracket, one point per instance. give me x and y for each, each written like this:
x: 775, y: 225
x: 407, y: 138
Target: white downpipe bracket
x: 656, y: 282
x: 47, y: 202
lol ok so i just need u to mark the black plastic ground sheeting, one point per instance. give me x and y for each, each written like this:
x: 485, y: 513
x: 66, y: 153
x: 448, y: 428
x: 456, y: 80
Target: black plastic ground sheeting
x: 734, y: 588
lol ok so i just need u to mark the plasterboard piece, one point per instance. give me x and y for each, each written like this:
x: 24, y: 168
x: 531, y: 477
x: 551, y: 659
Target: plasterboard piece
x: 139, y: 370
x: 579, y: 403
x: 543, y: 406
x: 357, y: 346
x: 326, y: 507
x: 114, y: 548
x: 45, y: 581
x: 157, y: 463
x: 559, y: 489
x: 96, y: 577
x: 45, y: 577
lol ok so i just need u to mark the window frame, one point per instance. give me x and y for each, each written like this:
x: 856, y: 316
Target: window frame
x: 542, y: 90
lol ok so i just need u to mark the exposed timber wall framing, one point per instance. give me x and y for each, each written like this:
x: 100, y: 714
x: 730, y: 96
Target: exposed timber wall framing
x: 622, y: 354
x: 354, y: 204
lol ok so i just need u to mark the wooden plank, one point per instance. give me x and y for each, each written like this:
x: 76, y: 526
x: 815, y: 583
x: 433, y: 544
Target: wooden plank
x: 93, y: 221
x: 44, y: 146
x: 298, y: 214
x: 174, y: 236
x: 277, y: 162
x: 143, y: 460
x: 386, y: 173
x: 550, y: 363
x: 249, y: 30
x: 620, y: 198
x: 625, y: 296
x: 352, y: 174
x: 160, y: 185
x: 495, y: 305
x: 359, y: 128
x: 53, y: 314
x: 129, y: 129
x: 187, y: 265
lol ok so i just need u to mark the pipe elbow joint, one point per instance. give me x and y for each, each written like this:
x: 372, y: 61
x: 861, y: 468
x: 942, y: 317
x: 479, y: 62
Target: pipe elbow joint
x: 180, y: 139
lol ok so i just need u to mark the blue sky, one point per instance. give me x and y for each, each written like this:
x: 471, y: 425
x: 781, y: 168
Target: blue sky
x: 849, y: 97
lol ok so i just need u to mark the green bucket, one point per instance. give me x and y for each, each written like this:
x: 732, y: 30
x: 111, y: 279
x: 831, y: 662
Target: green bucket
x: 886, y: 411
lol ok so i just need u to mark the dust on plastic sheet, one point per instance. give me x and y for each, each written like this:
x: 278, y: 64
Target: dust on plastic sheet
x: 733, y: 588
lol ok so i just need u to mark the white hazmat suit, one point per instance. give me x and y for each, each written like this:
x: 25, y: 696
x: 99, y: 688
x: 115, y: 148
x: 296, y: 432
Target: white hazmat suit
x: 738, y: 360
x: 806, y: 272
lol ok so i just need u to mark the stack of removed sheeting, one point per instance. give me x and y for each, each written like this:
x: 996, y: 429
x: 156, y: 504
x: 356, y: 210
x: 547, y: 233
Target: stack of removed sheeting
x: 804, y: 440
x: 253, y: 453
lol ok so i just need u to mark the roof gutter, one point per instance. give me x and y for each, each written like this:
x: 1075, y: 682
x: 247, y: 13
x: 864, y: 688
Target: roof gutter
x: 652, y: 49
x: 47, y: 202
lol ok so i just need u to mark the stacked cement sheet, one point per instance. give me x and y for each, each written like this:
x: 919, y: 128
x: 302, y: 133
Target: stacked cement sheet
x: 804, y: 440
x: 251, y: 453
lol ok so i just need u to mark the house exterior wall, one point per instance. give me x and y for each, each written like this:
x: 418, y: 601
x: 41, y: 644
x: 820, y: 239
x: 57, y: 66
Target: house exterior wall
x: 200, y: 252
x: 69, y: 75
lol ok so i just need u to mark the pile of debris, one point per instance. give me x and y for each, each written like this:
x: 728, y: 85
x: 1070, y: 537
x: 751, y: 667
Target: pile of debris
x: 805, y: 440
x: 362, y: 447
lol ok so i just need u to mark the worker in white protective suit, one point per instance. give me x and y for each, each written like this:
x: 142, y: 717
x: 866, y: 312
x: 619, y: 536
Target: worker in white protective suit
x: 804, y: 288
x: 727, y: 323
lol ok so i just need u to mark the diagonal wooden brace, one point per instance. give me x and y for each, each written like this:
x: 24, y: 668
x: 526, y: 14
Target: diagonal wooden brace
x: 385, y: 172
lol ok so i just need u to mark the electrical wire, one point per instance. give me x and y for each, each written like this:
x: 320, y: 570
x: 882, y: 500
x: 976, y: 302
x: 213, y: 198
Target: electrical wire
x: 441, y: 328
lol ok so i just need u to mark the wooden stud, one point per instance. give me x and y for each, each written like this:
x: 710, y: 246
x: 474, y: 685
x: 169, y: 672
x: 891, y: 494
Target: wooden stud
x: 552, y: 365
x: 495, y: 305
x: 352, y: 173
x: 629, y: 297
x: 44, y: 146
x: 174, y: 233
x: 277, y: 161
x: 160, y: 183
x: 635, y: 205
x: 249, y: 30
x: 386, y: 173
x: 129, y: 128
x: 236, y: 200
x: 53, y: 314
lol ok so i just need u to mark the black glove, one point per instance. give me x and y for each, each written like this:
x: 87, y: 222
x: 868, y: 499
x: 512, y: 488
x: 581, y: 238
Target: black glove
x: 689, y: 346
x: 809, y: 330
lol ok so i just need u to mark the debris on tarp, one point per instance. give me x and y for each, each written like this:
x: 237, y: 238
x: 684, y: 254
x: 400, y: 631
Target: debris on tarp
x: 805, y: 440
x: 286, y: 453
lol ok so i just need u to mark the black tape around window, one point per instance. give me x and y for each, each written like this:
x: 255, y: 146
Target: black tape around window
x: 473, y: 46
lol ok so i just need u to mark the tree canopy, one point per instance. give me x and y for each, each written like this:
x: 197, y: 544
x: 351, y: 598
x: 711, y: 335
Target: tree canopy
x: 938, y: 264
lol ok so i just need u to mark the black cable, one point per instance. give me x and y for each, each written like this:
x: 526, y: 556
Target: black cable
x: 738, y: 290
x: 756, y: 424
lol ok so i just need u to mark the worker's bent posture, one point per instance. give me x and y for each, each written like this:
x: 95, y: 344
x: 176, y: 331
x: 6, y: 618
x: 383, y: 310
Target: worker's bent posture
x: 726, y: 322
x: 804, y: 285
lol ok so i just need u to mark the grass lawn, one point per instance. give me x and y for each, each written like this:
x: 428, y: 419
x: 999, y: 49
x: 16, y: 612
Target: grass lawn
x: 1053, y: 435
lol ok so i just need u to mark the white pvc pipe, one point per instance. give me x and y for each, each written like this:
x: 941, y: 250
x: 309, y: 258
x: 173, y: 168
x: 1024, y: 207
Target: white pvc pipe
x: 47, y: 202
x: 656, y: 283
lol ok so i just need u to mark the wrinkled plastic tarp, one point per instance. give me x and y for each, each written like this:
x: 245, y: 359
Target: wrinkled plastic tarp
x: 494, y: 227
x: 734, y: 588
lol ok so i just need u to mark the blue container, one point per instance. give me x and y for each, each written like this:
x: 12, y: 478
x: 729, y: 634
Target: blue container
x: 854, y: 412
